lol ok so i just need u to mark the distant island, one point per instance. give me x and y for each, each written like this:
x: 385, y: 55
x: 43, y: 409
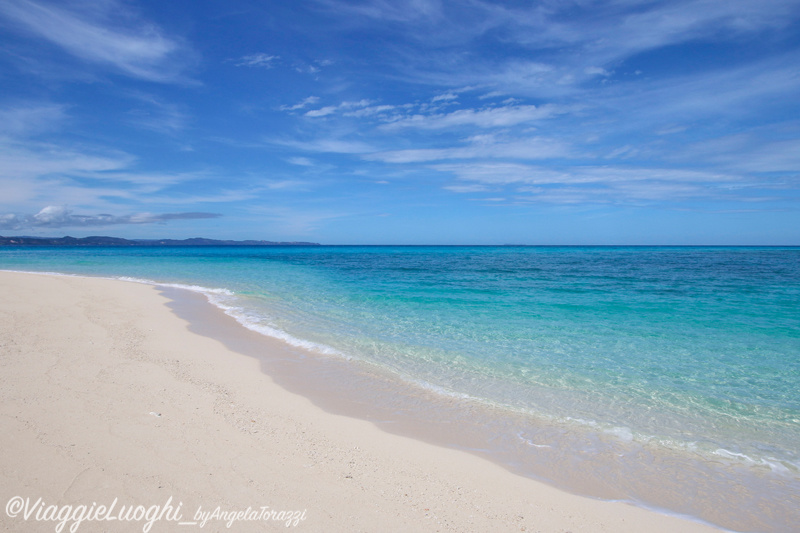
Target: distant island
x: 116, y: 241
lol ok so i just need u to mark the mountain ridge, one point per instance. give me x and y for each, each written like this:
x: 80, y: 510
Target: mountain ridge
x: 99, y: 240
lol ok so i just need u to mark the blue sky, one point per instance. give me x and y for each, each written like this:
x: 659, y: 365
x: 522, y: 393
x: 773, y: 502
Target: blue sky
x: 414, y: 122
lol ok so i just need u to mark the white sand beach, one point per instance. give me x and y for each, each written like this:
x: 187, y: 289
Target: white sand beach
x: 106, y: 396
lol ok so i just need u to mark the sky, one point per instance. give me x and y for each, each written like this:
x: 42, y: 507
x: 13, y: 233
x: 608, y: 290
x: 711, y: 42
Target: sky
x: 407, y: 122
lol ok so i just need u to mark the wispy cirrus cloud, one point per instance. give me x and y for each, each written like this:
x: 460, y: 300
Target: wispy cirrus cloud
x: 329, y: 110
x: 480, y: 147
x: 333, y: 145
x: 36, y: 172
x: 493, y: 117
x: 735, y: 93
x: 614, y: 102
x: 29, y: 118
x: 430, y: 116
x: 103, y: 33
x: 516, y: 173
x: 670, y: 23
x: 35, y: 159
x: 155, y: 114
x: 409, y: 11
x: 446, y: 97
x: 359, y: 109
x: 301, y: 161
x: 311, y: 100
x: 257, y: 60
x: 554, y: 48
x: 572, y: 96
x: 746, y: 152
x: 605, y: 184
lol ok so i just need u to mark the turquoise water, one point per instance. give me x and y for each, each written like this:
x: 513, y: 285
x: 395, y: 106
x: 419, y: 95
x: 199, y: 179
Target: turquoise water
x: 693, y: 349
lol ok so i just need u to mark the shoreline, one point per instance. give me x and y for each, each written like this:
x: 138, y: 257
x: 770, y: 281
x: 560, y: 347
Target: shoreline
x: 346, y: 472
x: 599, y: 463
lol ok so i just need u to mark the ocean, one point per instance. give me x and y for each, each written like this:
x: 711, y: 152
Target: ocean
x: 664, y: 376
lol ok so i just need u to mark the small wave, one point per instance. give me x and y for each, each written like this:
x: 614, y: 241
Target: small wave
x: 199, y: 288
x: 439, y: 390
x: 222, y: 299
x: 582, y: 422
x: 194, y: 288
x: 775, y: 465
x: 269, y: 331
x: 622, y: 433
x: 529, y: 442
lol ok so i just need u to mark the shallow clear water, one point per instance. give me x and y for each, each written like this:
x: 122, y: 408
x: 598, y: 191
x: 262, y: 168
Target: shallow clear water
x: 692, y: 349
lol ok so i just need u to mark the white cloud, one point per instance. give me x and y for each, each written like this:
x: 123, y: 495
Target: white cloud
x: 677, y: 22
x: 323, y: 111
x: 748, y: 153
x: 446, y: 97
x: 596, y: 71
x: 407, y: 11
x: 257, y: 60
x: 466, y: 188
x: 671, y: 129
x: 735, y: 93
x: 370, y: 111
x: 31, y: 160
x: 311, y: 100
x: 622, y: 152
x: 606, y: 33
x: 593, y: 184
x: 502, y: 173
x: 61, y: 217
x: 36, y: 173
x: 29, y: 119
x: 330, y: 145
x: 301, y: 161
x: 138, y: 50
x: 485, y: 148
x: 562, y: 45
x: 217, y: 197
x: 506, y: 173
x: 493, y: 117
x: 329, y: 110
x: 156, y: 115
